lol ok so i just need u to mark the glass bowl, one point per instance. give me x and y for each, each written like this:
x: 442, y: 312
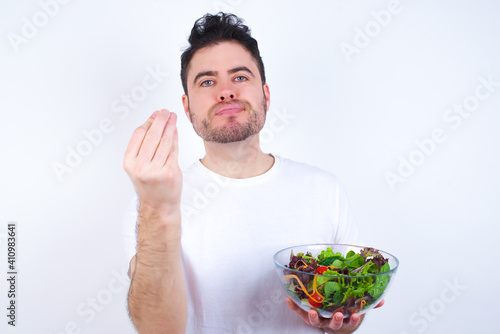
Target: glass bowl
x: 348, y: 286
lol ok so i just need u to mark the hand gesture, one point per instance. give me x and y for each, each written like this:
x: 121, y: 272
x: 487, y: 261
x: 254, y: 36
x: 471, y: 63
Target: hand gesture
x: 151, y: 162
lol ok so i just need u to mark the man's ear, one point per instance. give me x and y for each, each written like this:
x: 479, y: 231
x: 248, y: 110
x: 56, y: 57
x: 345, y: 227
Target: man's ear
x: 267, y: 95
x: 185, y: 103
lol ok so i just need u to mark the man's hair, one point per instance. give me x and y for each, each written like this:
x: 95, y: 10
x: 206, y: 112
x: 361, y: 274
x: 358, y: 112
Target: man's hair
x: 212, y: 29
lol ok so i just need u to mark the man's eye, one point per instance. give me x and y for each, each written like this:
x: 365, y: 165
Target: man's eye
x: 240, y: 78
x: 207, y: 83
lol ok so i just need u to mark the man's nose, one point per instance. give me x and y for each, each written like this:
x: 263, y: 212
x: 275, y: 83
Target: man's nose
x: 226, y: 93
x: 226, y: 96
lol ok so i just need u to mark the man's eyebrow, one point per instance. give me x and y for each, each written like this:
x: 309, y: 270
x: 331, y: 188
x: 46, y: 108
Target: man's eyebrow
x: 202, y: 74
x: 240, y: 68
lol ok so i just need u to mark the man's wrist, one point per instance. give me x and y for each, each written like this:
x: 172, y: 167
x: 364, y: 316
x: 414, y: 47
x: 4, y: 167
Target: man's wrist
x: 159, y: 210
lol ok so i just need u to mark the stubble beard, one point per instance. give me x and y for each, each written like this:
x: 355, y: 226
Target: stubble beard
x: 232, y: 131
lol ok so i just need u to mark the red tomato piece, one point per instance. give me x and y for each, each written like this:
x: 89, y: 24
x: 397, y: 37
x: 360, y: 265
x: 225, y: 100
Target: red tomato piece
x: 321, y: 269
x: 315, y: 300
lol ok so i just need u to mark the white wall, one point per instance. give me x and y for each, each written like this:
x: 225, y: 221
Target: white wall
x: 356, y: 113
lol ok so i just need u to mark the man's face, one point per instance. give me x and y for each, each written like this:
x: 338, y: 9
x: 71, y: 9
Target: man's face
x: 226, y: 100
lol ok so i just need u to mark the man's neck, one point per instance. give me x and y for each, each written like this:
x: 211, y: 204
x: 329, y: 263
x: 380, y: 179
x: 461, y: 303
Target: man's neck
x: 237, y: 160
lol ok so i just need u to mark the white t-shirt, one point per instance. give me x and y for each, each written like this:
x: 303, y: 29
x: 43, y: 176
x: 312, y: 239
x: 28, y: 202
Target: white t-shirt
x: 231, y: 228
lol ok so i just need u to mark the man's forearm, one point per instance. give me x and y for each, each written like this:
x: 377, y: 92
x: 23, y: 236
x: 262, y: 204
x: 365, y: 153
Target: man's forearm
x: 157, y: 295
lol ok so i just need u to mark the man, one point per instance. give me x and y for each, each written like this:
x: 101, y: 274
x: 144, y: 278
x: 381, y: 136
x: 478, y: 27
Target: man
x: 206, y: 236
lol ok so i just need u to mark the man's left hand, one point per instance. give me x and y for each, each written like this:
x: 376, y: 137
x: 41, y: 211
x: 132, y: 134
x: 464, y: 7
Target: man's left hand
x: 336, y: 325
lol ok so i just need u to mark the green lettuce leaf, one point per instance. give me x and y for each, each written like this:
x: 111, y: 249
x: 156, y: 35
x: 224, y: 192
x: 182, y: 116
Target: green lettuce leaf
x: 331, y: 288
x: 380, y: 284
x: 355, y: 261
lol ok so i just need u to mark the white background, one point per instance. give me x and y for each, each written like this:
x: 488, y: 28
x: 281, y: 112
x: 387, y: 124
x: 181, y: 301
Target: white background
x: 355, y: 115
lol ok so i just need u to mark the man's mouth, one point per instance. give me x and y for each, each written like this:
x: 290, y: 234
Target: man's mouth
x: 229, y: 109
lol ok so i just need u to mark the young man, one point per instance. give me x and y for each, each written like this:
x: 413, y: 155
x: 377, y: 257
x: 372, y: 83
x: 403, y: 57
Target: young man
x: 206, y: 236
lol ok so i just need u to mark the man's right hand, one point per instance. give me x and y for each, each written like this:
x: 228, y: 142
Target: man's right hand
x: 151, y: 162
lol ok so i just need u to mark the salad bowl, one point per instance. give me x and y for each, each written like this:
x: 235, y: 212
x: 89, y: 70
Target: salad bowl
x: 332, y: 278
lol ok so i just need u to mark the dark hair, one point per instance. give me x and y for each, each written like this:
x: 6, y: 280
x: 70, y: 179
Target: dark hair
x: 212, y: 29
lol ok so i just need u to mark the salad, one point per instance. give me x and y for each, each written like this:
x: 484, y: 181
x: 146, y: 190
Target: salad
x: 340, y: 283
